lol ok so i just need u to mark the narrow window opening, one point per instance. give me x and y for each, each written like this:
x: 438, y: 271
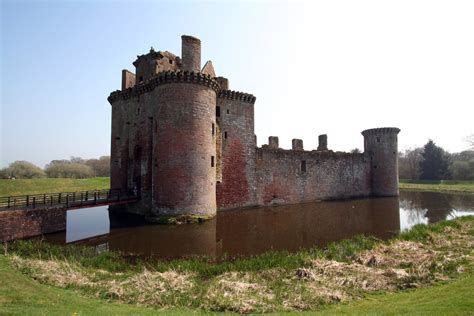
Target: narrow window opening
x: 140, y: 79
x: 225, y: 135
x: 212, y: 129
x: 228, y: 111
x: 378, y: 139
x: 375, y: 167
x: 138, y: 111
x: 171, y: 62
x: 218, y: 111
x: 303, y: 165
x: 117, y: 138
x: 212, y: 161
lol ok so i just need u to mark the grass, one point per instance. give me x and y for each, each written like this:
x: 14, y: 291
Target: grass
x: 363, y: 275
x: 437, y: 186
x: 51, y: 185
x: 447, y: 298
x: 20, y: 295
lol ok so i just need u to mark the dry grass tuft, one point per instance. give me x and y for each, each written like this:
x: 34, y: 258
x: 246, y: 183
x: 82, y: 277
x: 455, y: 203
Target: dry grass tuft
x: 238, y: 292
x: 387, y: 267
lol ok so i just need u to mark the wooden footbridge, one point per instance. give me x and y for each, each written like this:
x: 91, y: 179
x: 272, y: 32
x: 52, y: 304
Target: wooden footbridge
x: 70, y: 200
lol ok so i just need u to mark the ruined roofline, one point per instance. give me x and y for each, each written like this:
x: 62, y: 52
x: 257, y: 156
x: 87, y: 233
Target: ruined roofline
x: 237, y: 95
x: 162, y: 78
x: 312, y: 153
x: 157, y: 55
x: 381, y: 130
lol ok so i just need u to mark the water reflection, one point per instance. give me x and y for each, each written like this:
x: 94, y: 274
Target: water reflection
x: 256, y: 230
x: 432, y: 207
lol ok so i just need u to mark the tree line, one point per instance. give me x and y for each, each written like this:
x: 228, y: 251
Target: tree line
x: 73, y: 168
x: 432, y: 162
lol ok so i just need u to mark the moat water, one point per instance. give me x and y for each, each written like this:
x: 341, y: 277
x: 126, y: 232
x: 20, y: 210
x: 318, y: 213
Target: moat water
x: 256, y: 230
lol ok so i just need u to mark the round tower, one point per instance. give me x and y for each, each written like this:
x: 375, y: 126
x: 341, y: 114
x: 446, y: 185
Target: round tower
x: 184, y: 146
x: 381, y: 146
x: 190, y: 53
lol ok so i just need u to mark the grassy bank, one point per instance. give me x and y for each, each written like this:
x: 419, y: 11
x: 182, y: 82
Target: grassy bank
x: 437, y: 186
x: 37, y: 186
x: 360, y: 275
x: 47, y: 185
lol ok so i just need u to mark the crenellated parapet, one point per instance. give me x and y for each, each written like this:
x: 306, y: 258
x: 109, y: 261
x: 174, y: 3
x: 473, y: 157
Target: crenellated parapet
x: 381, y: 130
x: 236, y: 95
x: 163, y: 78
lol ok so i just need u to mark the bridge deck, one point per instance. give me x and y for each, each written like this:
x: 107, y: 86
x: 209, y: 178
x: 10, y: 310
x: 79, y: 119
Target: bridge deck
x: 71, y: 200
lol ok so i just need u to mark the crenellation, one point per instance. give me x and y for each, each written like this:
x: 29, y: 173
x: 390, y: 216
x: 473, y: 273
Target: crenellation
x: 297, y: 144
x: 273, y: 142
x: 236, y: 95
x: 323, y: 142
x: 187, y: 145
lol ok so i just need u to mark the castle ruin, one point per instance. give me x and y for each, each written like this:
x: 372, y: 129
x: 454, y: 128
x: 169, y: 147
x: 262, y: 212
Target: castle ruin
x: 185, y: 144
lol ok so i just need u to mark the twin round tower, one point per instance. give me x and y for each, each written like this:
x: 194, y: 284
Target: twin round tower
x: 185, y: 143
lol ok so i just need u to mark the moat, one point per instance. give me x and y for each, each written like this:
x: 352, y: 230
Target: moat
x: 256, y: 230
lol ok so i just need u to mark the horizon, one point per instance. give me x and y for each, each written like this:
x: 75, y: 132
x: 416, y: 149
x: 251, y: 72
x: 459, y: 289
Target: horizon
x: 315, y: 68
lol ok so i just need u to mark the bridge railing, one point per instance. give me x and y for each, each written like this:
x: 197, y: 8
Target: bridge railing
x: 68, y: 199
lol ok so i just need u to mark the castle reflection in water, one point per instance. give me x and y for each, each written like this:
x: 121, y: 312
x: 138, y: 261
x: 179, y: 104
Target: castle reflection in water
x: 257, y: 230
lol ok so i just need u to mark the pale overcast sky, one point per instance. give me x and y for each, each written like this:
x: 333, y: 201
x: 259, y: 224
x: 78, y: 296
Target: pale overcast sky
x: 334, y: 67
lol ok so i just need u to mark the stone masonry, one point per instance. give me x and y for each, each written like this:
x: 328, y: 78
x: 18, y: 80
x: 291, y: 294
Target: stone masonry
x: 186, y: 144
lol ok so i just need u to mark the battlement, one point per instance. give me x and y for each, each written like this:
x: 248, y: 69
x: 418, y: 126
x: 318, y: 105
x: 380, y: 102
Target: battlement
x: 162, y: 78
x: 237, y: 95
x: 298, y: 153
x: 381, y: 130
x: 297, y: 144
x: 187, y: 144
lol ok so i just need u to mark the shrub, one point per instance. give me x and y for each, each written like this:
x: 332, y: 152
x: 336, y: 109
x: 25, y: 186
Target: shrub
x: 69, y: 170
x: 22, y: 170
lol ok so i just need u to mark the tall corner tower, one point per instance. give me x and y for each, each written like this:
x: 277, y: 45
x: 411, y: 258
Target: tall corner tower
x: 165, y: 123
x: 381, y: 146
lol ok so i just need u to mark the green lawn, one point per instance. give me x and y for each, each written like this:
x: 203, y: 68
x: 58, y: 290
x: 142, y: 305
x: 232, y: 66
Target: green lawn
x: 19, y: 295
x: 50, y: 185
x: 437, y: 186
x: 451, y: 298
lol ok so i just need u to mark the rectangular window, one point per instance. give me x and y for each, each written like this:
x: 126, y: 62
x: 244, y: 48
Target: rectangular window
x: 212, y: 161
x: 218, y: 111
x: 225, y: 135
x: 303, y: 165
x: 212, y: 129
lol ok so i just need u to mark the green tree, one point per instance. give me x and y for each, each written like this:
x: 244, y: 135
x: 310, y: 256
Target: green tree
x: 434, y: 165
x: 23, y: 170
x: 462, y: 170
x: 409, y: 163
x: 101, y: 166
x: 68, y: 170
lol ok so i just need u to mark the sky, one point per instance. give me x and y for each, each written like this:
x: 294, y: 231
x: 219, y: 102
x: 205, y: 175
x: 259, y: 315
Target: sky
x: 316, y: 67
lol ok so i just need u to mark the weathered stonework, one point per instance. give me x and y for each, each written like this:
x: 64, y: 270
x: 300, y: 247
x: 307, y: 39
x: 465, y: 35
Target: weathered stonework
x: 186, y: 144
x: 17, y: 224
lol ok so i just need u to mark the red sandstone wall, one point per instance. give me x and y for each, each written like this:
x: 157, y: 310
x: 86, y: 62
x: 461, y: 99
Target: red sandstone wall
x: 22, y: 224
x: 328, y: 175
x: 236, y: 126
x: 183, y: 177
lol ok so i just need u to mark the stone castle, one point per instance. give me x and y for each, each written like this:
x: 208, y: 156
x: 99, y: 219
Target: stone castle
x: 185, y: 144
